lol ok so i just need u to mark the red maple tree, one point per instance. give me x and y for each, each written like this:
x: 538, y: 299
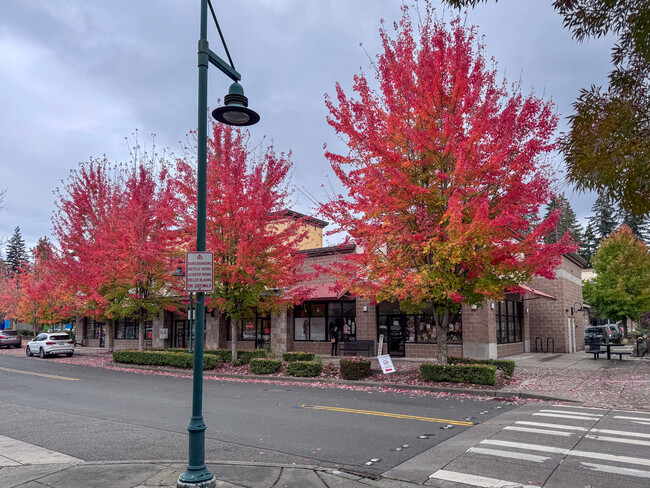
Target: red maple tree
x: 116, y: 225
x: 254, y: 245
x: 444, y: 170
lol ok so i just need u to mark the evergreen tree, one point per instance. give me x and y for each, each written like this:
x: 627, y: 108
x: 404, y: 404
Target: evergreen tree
x: 568, y: 222
x: 16, y: 253
x: 588, y: 245
x: 640, y: 225
x: 603, y: 221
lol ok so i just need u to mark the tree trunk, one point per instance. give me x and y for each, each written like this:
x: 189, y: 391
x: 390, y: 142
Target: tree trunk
x: 233, y: 337
x: 110, y: 335
x: 141, y: 331
x: 441, y: 334
x: 442, y: 327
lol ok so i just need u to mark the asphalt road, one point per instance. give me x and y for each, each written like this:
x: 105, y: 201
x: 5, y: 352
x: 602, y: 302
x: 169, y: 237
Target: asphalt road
x: 96, y: 414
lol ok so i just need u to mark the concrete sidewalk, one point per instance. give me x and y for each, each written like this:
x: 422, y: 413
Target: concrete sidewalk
x: 145, y: 474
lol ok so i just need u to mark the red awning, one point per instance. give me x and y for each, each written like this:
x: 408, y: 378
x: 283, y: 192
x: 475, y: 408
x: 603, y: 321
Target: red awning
x: 537, y: 293
x: 323, y: 291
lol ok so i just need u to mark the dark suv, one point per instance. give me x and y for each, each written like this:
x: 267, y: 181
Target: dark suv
x: 10, y: 338
x: 596, y: 332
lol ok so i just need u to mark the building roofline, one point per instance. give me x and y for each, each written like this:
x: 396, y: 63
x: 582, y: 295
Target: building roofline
x: 329, y: 251
x: 575, y: 258
x: 308, y: 219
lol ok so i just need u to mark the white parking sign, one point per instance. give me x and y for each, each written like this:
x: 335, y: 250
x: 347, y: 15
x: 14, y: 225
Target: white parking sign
x: 199, y: 273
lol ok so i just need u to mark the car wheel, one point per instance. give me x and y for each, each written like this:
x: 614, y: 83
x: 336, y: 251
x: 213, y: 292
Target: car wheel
x: 69, y: 354
x: 28, y: 352
x: 17, y: 346
x: 41, y: 353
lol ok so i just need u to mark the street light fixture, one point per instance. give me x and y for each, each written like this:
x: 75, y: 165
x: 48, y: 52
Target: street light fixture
x: 235, y: 112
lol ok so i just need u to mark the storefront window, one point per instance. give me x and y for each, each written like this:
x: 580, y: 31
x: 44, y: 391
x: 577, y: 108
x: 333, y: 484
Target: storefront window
x: 312, y: 321
x: 509, y: 321
x: 414, y: 328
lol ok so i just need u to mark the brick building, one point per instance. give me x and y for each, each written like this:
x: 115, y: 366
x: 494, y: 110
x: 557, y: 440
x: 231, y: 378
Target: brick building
x: 545, y: 318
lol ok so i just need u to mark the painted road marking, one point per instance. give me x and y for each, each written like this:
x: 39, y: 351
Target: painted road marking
x: 560, y: 416
x: 565, y: 412
x: 40, y: 374
x: 636, y: 442
x: 16, y: 453
x: 640, y: 419
x: 522, y: 445
x: 579, y: 408
x: 481, y: 481
x: 509, y: 454
x: 568, y: 452
x: 604, y: 468
x: 553, y: 426
x: 539, y: 431
x: 620, y: 432
x: 386, y: 414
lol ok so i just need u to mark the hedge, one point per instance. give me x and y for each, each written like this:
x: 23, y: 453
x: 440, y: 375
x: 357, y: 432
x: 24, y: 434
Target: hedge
x: 265, y: 366
x: 304, y: 368
x: 243, y: 357
x: 355, y: 368
x: 290, y: 357
x: 505, y: 365
x: 478, y: 374
x: 162, y: 358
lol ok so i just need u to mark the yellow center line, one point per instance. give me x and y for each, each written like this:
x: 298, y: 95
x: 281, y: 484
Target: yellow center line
x: 386, y: 414
x: 40, y: 374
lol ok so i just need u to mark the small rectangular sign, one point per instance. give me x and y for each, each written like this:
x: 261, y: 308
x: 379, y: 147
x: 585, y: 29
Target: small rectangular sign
x: 386, y: 364
x: 164, y: 333
x: 380, y: 346
x: 199, y: 272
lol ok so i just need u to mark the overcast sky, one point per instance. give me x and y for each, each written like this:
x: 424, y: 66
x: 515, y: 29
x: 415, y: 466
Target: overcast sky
x: 78, y: 76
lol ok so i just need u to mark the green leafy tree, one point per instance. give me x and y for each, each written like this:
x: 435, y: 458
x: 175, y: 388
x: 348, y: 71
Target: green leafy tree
x: 621, y: 288
x: 608, y: 145
x: 568, y: 222
x: 16, y: 253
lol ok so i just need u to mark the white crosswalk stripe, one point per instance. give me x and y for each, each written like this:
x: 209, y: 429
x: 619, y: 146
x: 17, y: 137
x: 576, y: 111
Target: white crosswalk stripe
x: 539, y: 431
x: 552, y: 426
x: 473, y: 480
x: 553, y: 445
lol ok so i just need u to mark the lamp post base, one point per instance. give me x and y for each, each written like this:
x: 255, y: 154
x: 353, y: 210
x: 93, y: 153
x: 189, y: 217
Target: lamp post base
x: 211, y: 483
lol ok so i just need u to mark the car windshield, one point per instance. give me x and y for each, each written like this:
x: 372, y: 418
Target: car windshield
x: 593, y: 330
x: 60, y: 337
x: 8, y: 332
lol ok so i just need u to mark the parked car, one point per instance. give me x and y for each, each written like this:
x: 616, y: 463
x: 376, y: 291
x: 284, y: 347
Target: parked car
x: 9, y: 338
x: 599, y: 332
x: 613, y: 333
x: 49, y: 344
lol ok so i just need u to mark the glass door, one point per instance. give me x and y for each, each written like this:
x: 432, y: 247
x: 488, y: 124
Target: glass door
x: 396, y: 335
x: 180, y: 333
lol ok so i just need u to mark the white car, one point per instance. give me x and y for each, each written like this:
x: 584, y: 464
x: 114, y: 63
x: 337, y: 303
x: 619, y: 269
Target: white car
x: 48, y: 344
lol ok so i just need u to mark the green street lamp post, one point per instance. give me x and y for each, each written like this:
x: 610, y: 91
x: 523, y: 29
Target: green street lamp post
x: 234, y: 112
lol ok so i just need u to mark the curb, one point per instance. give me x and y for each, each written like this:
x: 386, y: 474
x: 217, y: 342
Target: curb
x: 496, y: 394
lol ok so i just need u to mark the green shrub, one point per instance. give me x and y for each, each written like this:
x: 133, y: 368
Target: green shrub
x: 355, y: 368
x: 243, y: 357
x: 505, y: 365
x: 265, y: 365
x: 478, y: 374
x: 163, y: 358
x: 290, y: 357
x: 304, y: 368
